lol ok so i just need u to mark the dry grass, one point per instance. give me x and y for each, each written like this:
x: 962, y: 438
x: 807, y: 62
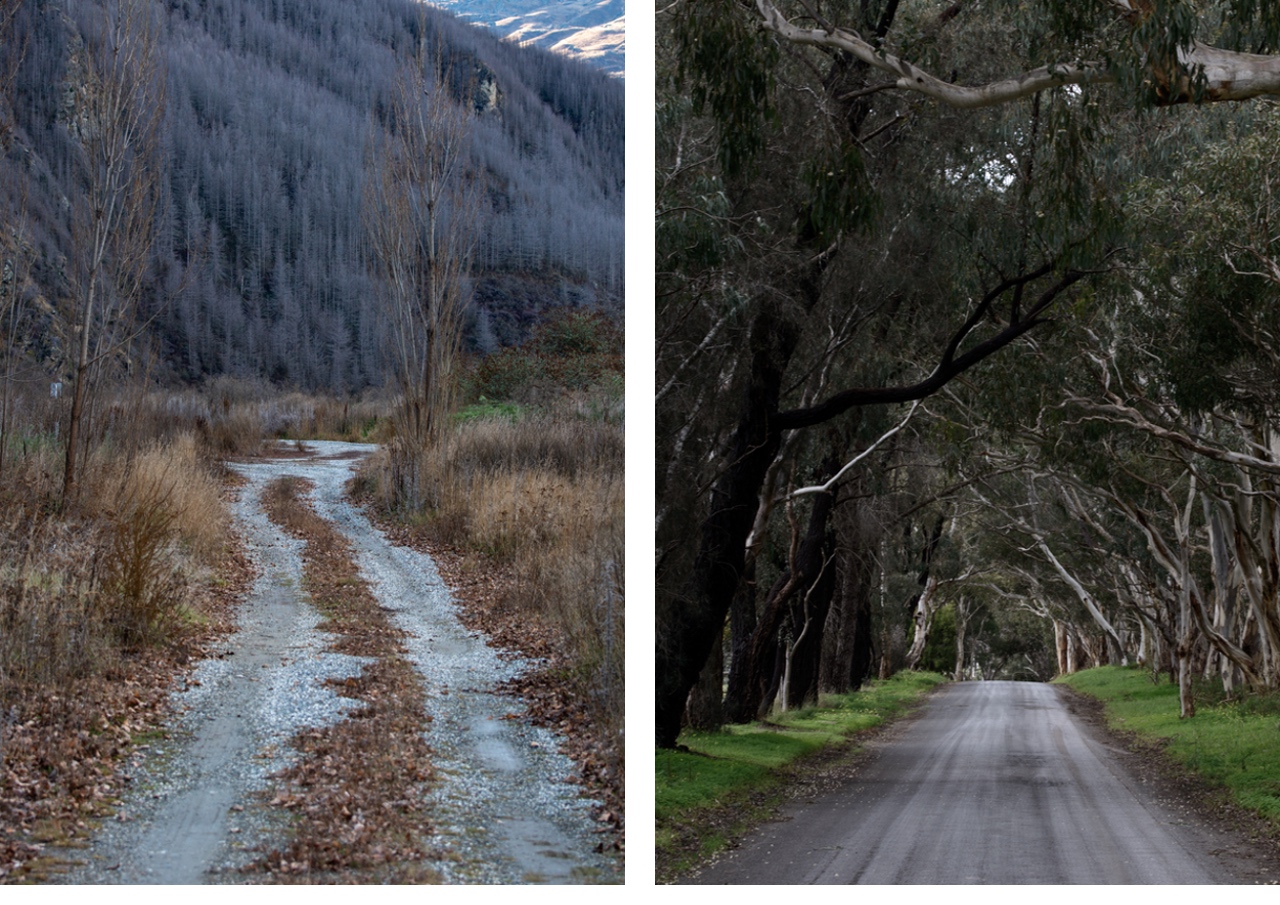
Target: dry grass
x: 564, y: 536
x: 174, y: 479
x: 103, y: 598
x: 232, y: 417
x: 164, y: 523
x: 113, y: 569
x: 51, y: 627
x: 562, y: 443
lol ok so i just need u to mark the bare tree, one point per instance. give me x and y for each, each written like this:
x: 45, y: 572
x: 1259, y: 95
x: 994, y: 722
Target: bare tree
x: 14, y: 50
x: 12, y: 240
x: 422, y: 213
x: 118, y: 125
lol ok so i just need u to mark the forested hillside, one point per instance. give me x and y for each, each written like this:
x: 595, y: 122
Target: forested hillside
x: 260, y: 265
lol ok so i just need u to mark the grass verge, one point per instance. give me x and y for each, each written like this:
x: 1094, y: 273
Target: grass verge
x: 1233, y: 744
x: 719, y: 784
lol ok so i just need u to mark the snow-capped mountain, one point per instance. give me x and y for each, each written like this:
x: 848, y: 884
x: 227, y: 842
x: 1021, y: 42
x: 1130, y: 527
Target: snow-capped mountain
x: 589, y: 30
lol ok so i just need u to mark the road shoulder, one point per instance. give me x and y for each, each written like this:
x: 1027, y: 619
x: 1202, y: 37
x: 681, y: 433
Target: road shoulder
x: 1244, y: 845
x: 797, y: 783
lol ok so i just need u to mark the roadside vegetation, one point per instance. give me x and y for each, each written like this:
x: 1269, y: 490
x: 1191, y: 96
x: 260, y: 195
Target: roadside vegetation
x: 717, y: 785
x: 104, y: 596
x: 1231, y: 742
x: 522, y: 507
x: 108, y: 593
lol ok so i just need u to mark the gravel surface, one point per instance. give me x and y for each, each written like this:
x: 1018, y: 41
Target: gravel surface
x: 503, y: 807
x: 993, y: 783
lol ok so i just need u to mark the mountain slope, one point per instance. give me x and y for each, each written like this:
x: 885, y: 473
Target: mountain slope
x: 260, y: 265
x: 590, y: 30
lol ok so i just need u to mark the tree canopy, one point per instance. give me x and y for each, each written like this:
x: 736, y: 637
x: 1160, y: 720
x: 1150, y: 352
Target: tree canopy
x: 993, y: 284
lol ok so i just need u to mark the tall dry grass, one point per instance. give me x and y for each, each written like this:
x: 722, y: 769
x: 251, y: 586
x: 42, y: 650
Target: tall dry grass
x: 165, y: 524
x: 83, y: 581
x: 233, y: 417
x: 51, y: 627
x: 118, y: 566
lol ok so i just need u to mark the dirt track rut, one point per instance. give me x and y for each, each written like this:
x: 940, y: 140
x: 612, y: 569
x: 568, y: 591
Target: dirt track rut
x: 503, y: 809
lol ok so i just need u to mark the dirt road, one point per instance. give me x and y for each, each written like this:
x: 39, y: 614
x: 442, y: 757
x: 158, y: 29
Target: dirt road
x: 995, y: 782
x: 501, y: 807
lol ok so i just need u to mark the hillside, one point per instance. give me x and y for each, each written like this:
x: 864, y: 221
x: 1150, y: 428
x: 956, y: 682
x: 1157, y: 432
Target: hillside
x: 260, y: 266
x: 593, y: 31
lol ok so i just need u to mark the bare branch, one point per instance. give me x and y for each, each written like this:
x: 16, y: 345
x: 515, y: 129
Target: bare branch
x: 910, y: 77
x: 823, y: 488
x: 1228, y: 75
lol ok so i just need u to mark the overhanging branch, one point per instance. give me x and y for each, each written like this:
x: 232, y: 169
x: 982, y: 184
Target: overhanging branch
x: 1227, y: 75
x: 950, y: 365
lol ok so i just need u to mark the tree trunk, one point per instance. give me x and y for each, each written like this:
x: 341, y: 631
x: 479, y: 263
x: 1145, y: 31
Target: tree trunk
x: 73, y: 434
x: 1062, y: 644
x: 706, y: 702
x: 808, y: 654
x: 693, y: 624
x: 922, y: 621
x: 749, y: 696
x: 743, y: 620
x: 962, y: 627
x: 846, y: 654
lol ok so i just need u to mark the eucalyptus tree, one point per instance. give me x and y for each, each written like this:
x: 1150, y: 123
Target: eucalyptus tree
x: 1158, y: 441
x: 1175, y: 51
x: 1193, y: 374
x: 789, y: 127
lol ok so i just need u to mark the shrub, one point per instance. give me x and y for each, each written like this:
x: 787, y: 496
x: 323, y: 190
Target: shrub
x: 165, y: 518
x: 142, y: 586
x: 572, y: 349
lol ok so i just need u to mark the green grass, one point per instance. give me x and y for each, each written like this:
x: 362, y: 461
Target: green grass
x: 487, y: 409
x: 1233, y: 744
x: 712, y: 791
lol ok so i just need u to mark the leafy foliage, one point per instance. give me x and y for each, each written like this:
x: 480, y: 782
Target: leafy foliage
x: 728, y: 64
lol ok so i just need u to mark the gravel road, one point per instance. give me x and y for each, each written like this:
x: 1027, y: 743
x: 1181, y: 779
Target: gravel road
x: 504, y: 811
x: 995, y: 782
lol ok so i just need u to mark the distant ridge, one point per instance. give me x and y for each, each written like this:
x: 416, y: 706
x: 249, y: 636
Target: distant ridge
x: 593, y: 31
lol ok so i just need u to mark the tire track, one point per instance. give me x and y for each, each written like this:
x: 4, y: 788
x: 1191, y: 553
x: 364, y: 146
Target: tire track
x: 506, y: 812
